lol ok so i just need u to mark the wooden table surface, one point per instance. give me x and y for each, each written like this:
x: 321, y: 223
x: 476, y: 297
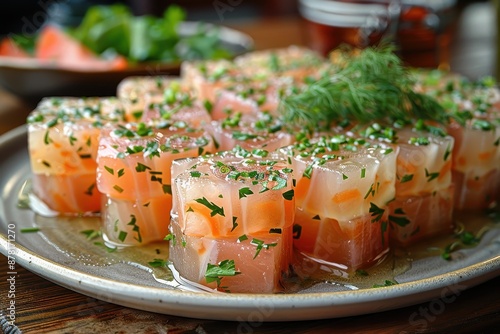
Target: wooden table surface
x: 44, y: 307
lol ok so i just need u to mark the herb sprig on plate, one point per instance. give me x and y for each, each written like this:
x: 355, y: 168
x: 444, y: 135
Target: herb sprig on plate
x: 373, y: 85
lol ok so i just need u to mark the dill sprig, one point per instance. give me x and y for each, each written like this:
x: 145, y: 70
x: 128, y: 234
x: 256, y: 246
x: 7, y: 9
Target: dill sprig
x: 372, y: 85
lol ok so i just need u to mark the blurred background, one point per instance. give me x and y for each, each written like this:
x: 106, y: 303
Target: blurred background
x: 26, y: 16
x: 71, y: 11
x: 15, y: 14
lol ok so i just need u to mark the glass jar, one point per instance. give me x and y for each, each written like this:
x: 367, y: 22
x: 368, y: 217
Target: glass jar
x: 421, y: 29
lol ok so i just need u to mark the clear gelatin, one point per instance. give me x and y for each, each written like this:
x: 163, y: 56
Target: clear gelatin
x: 260, y: 261
x: 75, y: 194
x: 63, y: 140
x: 249, y: 98
x: 343, y: 186
x: 133, y: 171
x: 70, y: 108
x: 424, y: 162
x: 229, y: 194
x: 341, y: 246
x: 63, y: 148
x: 129, y: 222
x: 205, y: 78
x: 476, y: 193
x: 423, y: 203
x: 228, y: 88
x: 134, y: 161
x: 339, y: 177
x: 474, y: 110
x: 476, y: 164
x: 230, y: 206
x: 136, y: 91
x: 175, y: 106
x: 416, y: 218
x: 251, y: 133
x: 294, y: 62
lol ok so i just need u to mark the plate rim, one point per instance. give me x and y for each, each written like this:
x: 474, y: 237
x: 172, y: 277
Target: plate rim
x: 180, y: 303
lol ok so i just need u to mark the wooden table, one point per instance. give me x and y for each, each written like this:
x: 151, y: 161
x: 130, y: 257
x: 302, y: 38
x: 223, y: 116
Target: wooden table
x: 44, y: 307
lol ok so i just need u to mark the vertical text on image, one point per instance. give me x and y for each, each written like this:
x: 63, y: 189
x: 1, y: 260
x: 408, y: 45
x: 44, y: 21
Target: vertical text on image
x: 11, y: 273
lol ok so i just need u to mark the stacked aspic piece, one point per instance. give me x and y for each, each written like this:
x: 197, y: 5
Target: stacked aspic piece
x: 255, y: 157
x: 234, y: 208
x: 474, y: 108
x: 343, y: 186
x: 91, y: 155
x: 423, y: 203
x: 133, y: 173
x: 63, y: 139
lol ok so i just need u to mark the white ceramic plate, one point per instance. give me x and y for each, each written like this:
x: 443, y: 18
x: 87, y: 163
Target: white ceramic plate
x: 60, y: 253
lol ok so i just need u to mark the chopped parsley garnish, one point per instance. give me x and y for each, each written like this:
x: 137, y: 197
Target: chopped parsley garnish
x: 90, y: 190
x: 106, y: 247
x: 308, y: 171
x: 242, y: 238
x: 361, y: 272
x: 118, y: 188
x: 72, y: 139
x: 243, y: 136
x: 244, y: 192
x: 122, y: 235
x: 208, y: 106
x: 465, y: 239
x: 371, y: 191
x: 261, y: 245
x: 419, y: 141
x: 85, y: 156
x: 274, y: 64
x: 92, y: 234
x: 46, y: 139
x: 158, y: 263
x: 141, y: 167
x: 170, y: 237
x: 216, y: 210
x: 167, y: 189
x: 135, y: 228
x: 406, y: 178
x: 216, y: 272
x: 399, y: 220
x: 288, y: 195
x: 376, y: 212
x: 481, y: 124
x: 280, y: 183
x: 30, y: 230
x: 447, y: 153
x: 431, y: 176
x: 386, y: 283
x: 235, y: 224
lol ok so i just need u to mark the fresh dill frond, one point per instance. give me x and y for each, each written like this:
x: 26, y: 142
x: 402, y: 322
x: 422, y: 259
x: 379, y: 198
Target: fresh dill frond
x: 373, y: 85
